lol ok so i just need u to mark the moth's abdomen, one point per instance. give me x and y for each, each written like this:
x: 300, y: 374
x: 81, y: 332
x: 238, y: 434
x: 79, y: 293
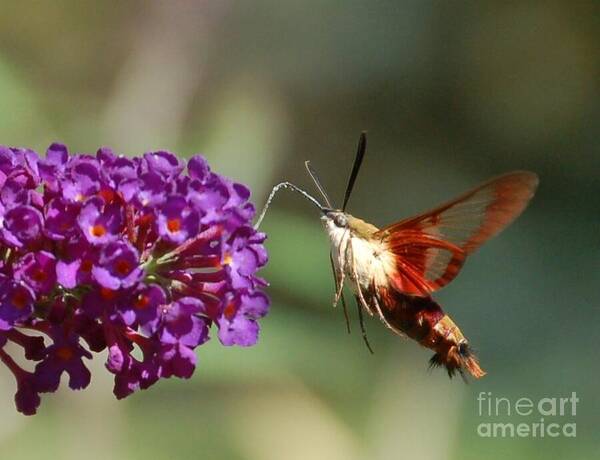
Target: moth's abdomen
x: 422, y: 319
x: 414, y: 316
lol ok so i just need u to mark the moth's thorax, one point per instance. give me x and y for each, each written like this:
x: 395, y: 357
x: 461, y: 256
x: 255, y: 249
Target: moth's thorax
x: 356, y: 228
x: 356, y: 249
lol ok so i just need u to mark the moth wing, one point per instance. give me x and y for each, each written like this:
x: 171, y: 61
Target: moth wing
x: 430, y: 249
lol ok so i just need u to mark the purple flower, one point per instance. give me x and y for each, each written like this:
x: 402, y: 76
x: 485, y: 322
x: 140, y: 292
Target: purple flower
x: 147, y: 190
x: 27, y: 398
x: 16, y: 302
x: 139, y: 375
x: 244, y: 254
x: 177, y: 221
x: 207, y: 192
x: 38, y: 271
x: 118, y: 266
x: 54, y: 164
x: 64, y: 355
x: 83, y: 180
x: 163, y: 163
x: 101, y: 301
x: 7, y: 160
x: 78, y: 259
x: 181, y: 332
x: 237, y: 325
x: 119, y: 348
x: 21, y: 225
x: 198, y: 168
x: 116, y: 169
x: 98, y: 222
x: 142, y: 307
x: 60, y: 219
x: 127, y: 255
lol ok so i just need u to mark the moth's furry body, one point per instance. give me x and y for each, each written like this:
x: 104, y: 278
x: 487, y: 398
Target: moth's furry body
x: 362, y: 257
x: 355, y: 243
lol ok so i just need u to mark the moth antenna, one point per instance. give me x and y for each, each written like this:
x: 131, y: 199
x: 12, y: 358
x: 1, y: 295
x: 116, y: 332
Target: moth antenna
x: 360, y: 154
x: 290, y: 186
x: 317, y: 182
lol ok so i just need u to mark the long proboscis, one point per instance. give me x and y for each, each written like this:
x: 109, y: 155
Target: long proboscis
x: 292, y: 187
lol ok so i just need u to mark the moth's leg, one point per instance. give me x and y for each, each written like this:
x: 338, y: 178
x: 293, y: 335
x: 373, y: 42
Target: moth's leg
x: 346, y: 313
x: 383, y: 319
x: 361, y: 320
x: 354, y: 276
x: 360, y: 299
x: 337, y: 287
x: 339, y: 283
x: 374, y: 302
x: 368, y: 303
x: 379, y: 312
x: 342, y: 261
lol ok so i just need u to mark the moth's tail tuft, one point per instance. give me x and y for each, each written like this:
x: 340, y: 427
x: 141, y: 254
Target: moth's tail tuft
x: 466, y: 361
x: 472, y: 365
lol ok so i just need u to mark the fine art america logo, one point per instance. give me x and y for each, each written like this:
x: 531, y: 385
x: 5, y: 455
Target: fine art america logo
x: 527, y: 418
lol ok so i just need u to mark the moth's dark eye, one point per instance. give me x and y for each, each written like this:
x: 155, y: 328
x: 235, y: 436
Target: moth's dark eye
x: 340, y: 220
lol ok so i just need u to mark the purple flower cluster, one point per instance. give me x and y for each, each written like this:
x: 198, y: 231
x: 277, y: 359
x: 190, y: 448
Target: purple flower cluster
x: 125, y: 254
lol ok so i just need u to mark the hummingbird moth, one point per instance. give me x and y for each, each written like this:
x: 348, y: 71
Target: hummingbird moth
x: 394, y: 270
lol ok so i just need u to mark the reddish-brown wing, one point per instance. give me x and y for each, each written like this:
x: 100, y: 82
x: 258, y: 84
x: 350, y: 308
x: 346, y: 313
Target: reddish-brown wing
x: 431, y: 248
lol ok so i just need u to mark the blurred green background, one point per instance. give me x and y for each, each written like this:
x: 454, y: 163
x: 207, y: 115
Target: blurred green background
x: 451, y: 93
